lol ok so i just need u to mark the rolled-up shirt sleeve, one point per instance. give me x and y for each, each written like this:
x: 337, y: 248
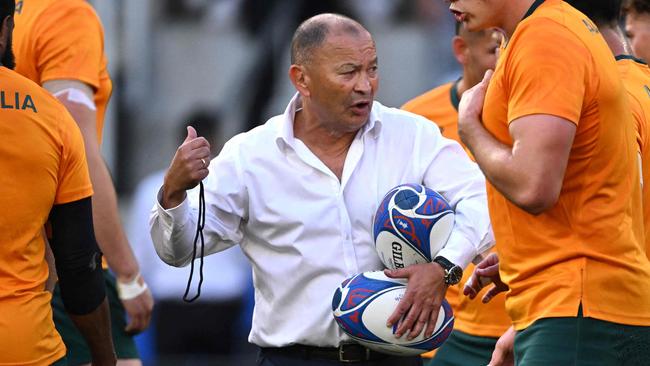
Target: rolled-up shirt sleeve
x: 452, y: 174
x: 173, y: 230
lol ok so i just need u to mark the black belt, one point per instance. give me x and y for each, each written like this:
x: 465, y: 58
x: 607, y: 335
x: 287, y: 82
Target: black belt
x: 347, y: 353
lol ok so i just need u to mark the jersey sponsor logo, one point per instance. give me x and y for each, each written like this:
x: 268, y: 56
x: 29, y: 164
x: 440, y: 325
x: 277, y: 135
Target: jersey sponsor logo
x: 19, y: 6
x: 647, y: 90
x: 19, y: 101
x: 591, y: 26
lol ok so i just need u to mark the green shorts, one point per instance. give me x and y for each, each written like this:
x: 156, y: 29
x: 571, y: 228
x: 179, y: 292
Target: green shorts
x: 580, y: 341
x: 78, y: 352
x: 462, y: 349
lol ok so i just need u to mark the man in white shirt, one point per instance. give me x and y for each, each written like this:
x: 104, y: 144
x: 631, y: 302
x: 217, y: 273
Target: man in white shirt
x: 299, y: 192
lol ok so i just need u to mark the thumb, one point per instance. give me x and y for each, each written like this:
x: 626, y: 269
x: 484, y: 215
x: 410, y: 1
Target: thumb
x: 396, y: 273
x: 191, y: 134
x: 487, y: 77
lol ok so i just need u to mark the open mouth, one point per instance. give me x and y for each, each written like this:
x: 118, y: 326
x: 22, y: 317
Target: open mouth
x: 460, y: 16
x: 361, y: 107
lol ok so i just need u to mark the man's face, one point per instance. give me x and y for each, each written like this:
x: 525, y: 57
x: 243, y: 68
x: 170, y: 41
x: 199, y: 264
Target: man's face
x: 482, y: 52
x: 637, y: 28
x: 342, y: 80
x: 476, y: 14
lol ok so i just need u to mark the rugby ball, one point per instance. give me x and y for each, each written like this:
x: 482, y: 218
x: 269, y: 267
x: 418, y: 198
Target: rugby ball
x: 411, y: 225
x: 363, y: 303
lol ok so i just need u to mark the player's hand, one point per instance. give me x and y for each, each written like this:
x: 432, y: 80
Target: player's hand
x: 470, y: 108
x: 421, y: 302
x: 188, y: 168
x: 139, y: 310
x: 486, y: 272
x: 503, y: 354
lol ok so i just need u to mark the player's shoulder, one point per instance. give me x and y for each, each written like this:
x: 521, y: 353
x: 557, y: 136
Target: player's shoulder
x: 555, y: 11
x: 424, y: 101
x: 37, y: 105
x: 633, y: 71
x: 13, y: 83
x: 556, y: 27
x: 557, y: 18
x: 642, y: 69
x: 69, y: 8
x: 72, y: 7
x: 61, y: 13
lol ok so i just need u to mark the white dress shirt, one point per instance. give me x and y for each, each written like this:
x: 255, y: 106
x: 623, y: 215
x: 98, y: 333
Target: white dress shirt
x: 305, y: 231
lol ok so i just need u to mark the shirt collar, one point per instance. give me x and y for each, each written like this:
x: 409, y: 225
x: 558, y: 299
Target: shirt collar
x: 284, y: 136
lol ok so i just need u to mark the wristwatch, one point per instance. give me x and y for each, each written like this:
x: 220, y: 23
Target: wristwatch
x: 453, y: 273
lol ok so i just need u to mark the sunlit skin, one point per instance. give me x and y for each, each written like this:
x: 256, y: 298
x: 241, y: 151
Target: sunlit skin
x: 637, y: 29
x: 478, y: 15
x: 477, y: 52
x: 338, y: 85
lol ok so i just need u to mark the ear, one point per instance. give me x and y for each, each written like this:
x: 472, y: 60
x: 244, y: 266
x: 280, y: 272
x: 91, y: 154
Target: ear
x: 459, y: 47
x: 299, y: 79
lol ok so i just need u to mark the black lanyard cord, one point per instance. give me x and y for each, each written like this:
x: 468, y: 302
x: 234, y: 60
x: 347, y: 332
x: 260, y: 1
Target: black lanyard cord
x: 199, y: 234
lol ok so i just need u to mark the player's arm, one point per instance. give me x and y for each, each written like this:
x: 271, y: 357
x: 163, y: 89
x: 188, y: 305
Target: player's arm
x: 77, y: 97
x: 531, y: 172
x: 78, y: 264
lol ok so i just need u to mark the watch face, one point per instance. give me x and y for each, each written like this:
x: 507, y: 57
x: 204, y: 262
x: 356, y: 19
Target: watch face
x: 455, y: 275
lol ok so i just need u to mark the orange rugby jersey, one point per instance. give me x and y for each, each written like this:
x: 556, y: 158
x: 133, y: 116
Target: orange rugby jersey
x: 636, y: 80
x: 587, y: 248
x: 43, y: 164
x: 440, y: 105
x: 49, y: 45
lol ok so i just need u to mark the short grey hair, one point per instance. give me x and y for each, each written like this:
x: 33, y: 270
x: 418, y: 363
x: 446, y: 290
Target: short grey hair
x: 312, y: 33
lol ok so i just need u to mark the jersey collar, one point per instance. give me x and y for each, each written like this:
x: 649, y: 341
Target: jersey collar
x: 630, y: 57
x: 453, y: 94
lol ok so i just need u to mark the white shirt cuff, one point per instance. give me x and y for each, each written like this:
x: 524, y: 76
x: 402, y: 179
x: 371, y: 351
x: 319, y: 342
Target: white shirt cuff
x: 458, y: 250
x: 174, y: 216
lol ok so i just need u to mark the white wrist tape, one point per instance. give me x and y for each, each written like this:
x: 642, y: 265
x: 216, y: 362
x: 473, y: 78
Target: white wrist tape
x: 77, y: 96
x: 131, y: 290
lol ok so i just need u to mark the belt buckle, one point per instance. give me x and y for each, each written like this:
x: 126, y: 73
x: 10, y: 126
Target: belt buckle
x: 348, y: 359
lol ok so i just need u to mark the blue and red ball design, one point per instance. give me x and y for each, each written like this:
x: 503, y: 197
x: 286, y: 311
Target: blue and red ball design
x: 410, y: 213
x: 362, y: 305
